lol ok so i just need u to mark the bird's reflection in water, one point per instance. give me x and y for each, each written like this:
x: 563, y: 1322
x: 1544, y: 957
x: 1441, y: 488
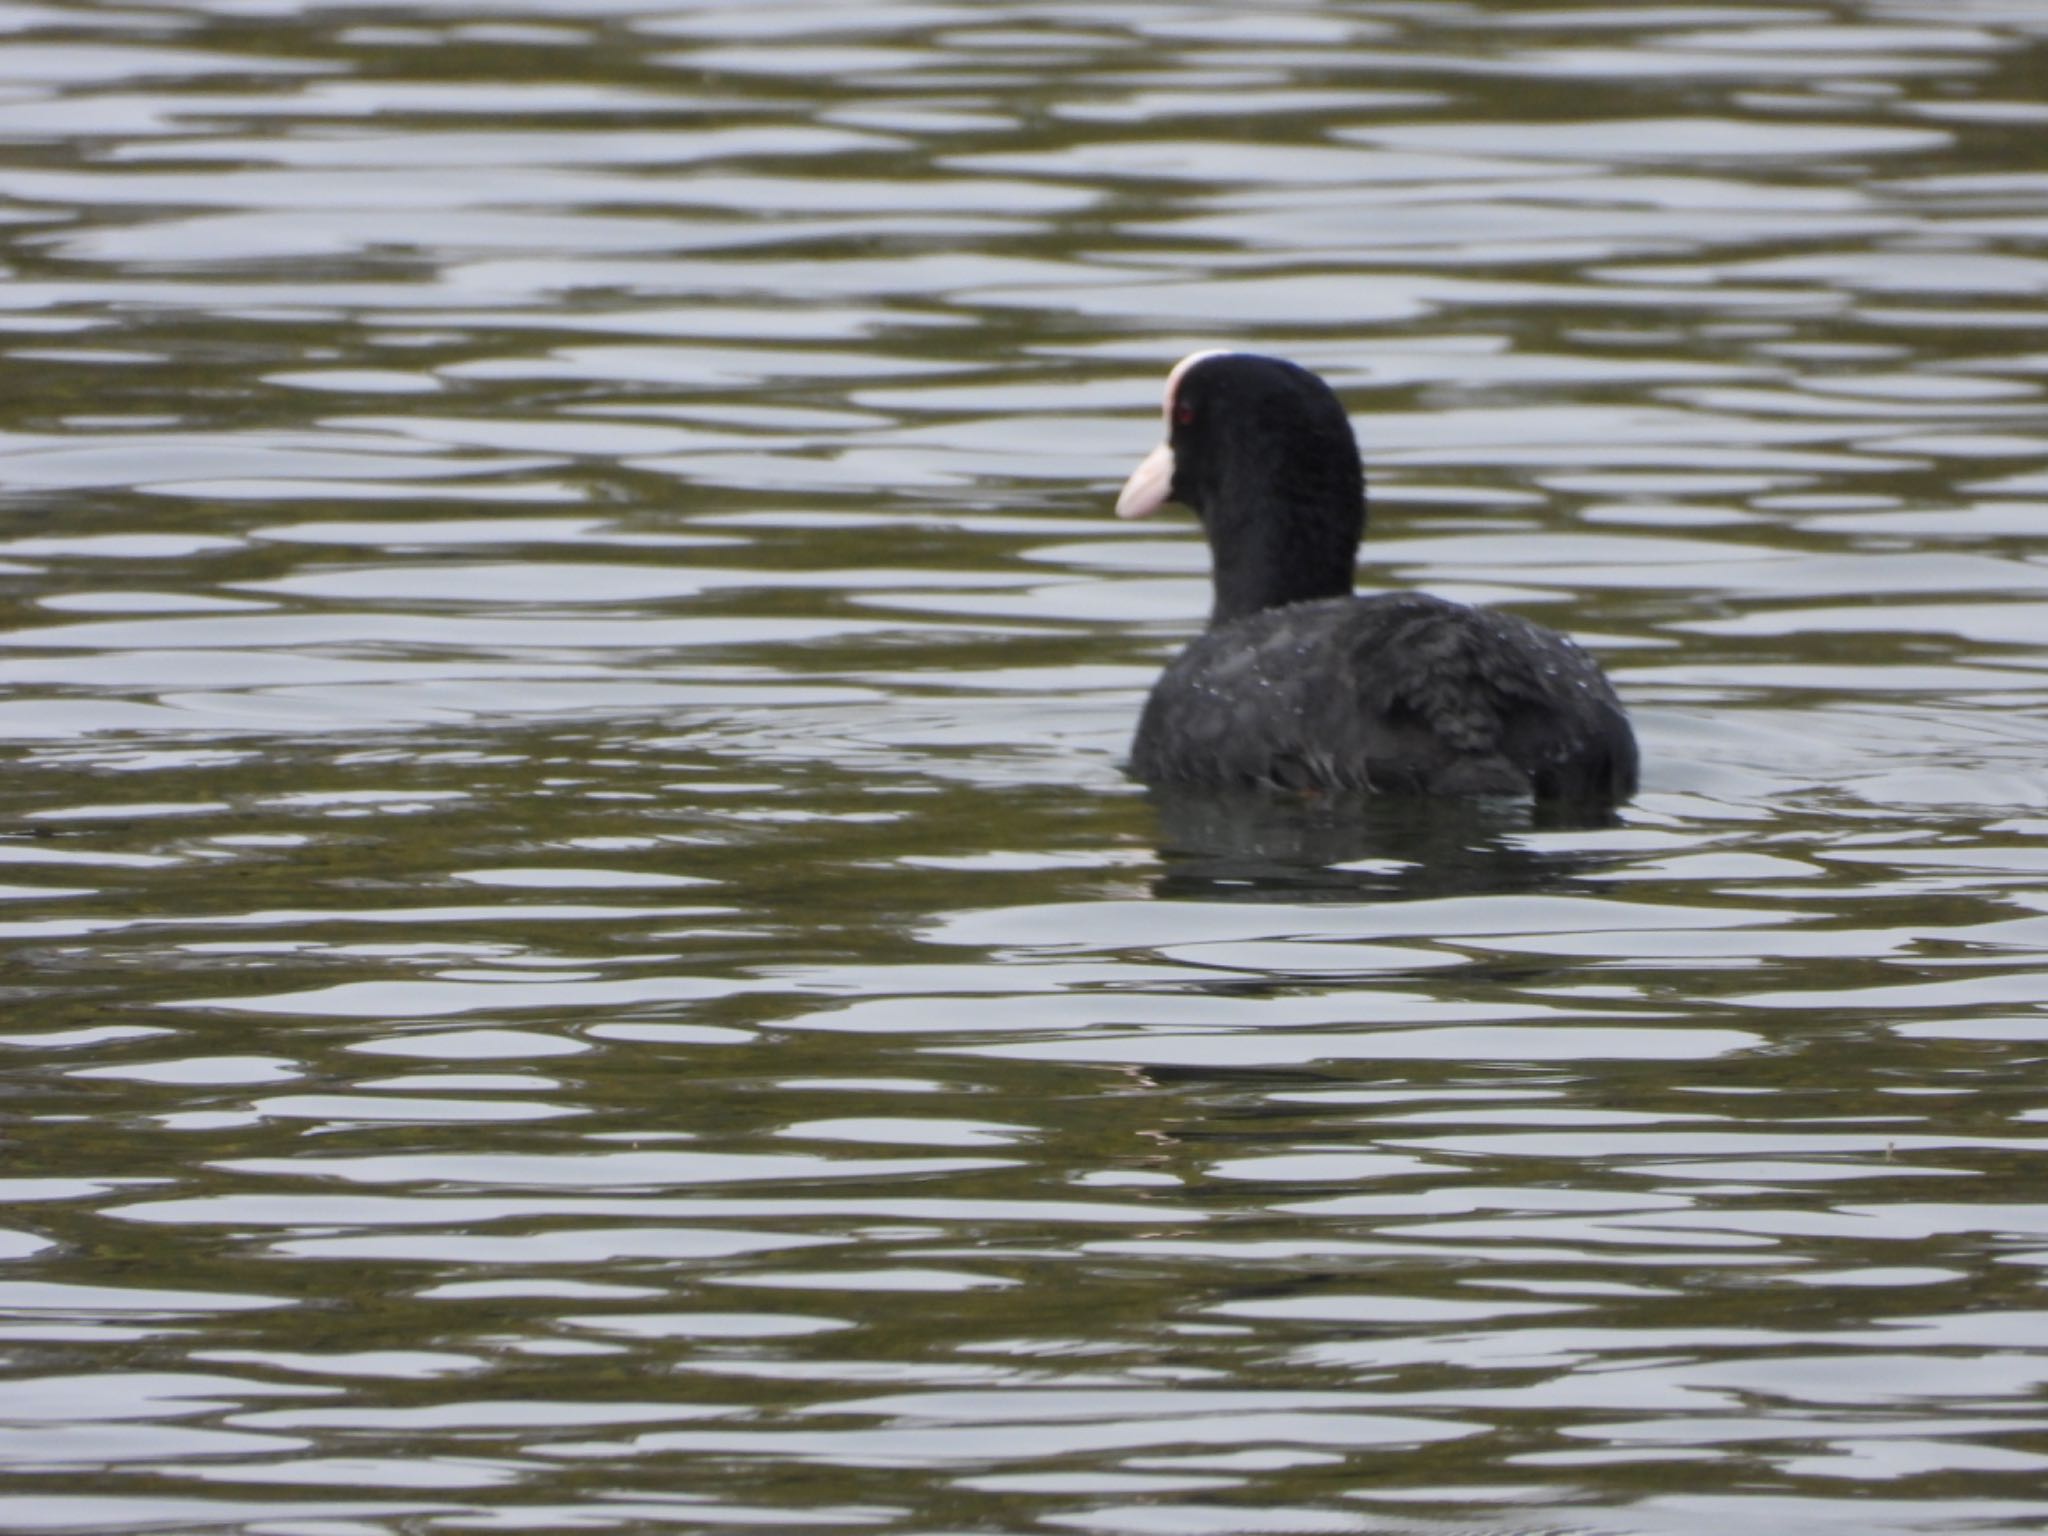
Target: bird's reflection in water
x: 1253, y: 845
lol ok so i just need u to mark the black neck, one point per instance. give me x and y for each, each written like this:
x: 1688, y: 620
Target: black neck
x: 1273, y: 544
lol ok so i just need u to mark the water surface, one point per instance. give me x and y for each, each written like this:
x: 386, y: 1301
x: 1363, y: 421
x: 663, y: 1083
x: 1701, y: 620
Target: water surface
x: 577, y: 954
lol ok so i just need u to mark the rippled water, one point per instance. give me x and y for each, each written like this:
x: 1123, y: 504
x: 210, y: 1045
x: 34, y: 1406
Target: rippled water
x: 577, y: 955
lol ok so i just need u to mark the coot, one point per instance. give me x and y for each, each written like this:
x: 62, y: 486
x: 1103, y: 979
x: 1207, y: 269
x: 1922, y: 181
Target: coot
x: 1299, y: 684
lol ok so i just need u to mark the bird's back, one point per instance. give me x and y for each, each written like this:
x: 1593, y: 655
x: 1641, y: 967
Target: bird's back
x: 1397, y: 694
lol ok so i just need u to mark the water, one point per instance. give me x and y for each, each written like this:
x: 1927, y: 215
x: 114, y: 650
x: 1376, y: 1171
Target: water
x: 576, y: 952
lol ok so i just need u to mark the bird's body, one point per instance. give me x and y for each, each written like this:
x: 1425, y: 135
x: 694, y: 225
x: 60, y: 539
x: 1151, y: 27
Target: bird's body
x: 1297, y: 684
x: 1399, y: 694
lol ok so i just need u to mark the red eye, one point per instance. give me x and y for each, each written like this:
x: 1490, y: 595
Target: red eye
x: 1184, y: 413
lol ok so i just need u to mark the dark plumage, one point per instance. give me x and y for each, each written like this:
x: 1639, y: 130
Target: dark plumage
x: 1298, y: 684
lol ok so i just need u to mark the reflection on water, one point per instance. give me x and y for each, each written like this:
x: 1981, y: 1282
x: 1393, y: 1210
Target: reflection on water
x: 1248, y: 846
x: 577, y: 952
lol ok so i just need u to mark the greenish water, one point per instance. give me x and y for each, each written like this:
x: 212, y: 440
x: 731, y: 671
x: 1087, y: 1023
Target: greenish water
x: 574, y: 953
